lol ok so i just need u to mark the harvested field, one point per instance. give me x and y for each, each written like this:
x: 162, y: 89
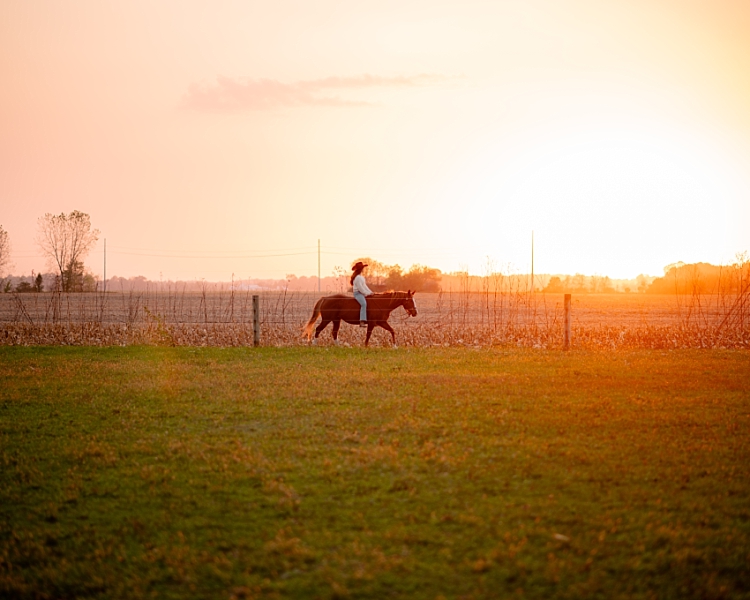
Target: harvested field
x: 224, y: 318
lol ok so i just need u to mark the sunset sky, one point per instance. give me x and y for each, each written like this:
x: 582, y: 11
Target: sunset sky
x: 211, y: 138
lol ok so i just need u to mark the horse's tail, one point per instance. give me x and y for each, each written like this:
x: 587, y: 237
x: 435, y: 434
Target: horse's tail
x: 307, y: 329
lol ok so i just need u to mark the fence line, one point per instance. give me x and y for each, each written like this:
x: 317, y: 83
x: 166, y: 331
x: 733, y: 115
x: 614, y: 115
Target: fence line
x: 461, y: 317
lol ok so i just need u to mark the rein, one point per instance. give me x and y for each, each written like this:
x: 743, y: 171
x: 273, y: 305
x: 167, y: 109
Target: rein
x: 396, y: 298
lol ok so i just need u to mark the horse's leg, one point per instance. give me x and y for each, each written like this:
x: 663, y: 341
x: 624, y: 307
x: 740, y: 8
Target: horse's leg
x: 336, y: 325
x: 370, y: 327
x: 385, y: 325
x: 319, y: 328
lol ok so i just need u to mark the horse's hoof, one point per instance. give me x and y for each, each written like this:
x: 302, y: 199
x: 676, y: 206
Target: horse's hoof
x: 395, y: 347
x: 336, y: 342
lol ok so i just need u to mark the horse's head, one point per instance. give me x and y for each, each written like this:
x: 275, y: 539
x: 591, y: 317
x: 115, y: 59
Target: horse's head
x: 409, y: 304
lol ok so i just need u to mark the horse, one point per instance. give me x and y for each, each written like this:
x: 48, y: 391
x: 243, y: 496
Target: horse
x: 340, y: 307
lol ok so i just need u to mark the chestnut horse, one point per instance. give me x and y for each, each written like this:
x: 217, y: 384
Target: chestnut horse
x: 340, y: 307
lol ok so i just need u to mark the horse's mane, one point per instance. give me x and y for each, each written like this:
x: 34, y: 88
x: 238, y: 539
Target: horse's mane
x: 389, y: 294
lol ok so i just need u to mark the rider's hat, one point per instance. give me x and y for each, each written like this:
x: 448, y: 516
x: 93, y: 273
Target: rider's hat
x: 358, y: 266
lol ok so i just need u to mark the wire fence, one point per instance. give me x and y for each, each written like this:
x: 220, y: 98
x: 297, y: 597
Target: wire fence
x: 467, y: 318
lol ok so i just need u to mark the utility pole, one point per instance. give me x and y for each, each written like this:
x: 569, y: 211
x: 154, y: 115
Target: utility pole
x: 319, y: 266
x: 566, y: 322
x: 532, y: 260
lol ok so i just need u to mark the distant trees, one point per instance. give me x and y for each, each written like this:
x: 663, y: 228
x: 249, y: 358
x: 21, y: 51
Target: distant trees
x: 579, y: 284
x: 643, y: 283
x: 377, y: 273
x: 418, y: 278
x: 703, y: 278
x: 601, y: 285
x: 381, y: 277
x: 65, y: 241
x: 35, y: 284
x: 72, y: 277
x: 555, y: 286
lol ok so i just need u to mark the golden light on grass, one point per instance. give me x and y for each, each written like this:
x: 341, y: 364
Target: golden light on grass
x: 298, y: 472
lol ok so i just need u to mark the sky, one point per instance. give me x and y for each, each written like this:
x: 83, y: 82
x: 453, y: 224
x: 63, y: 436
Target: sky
x: 212, y: 139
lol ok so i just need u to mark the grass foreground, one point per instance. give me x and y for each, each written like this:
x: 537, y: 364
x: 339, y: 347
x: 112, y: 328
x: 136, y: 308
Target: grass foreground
x: 332, y: 473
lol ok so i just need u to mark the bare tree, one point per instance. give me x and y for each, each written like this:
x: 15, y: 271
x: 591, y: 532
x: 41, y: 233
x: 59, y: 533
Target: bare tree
x: 65, y: 241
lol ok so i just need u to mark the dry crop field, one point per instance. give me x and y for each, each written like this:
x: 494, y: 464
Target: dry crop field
x: 224, y: 318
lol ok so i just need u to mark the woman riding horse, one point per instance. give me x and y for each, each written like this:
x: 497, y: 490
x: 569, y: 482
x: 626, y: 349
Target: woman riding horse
x: 340, y: 307
x: 361, y: 291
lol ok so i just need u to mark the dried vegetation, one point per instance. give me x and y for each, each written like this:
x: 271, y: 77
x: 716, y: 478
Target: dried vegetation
x: 491, y: 316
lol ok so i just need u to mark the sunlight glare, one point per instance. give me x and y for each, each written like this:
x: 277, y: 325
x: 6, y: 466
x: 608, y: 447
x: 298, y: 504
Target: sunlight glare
x: 630, y: 193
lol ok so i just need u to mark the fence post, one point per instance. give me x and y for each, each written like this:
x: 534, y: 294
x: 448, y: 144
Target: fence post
x: 566, y: 331
x: 256, y: 321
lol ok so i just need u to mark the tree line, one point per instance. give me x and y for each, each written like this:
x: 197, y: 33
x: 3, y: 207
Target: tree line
x: 705, y: 278
x: 65, y: 240
x: 382, y: 277
x: 678, y: 278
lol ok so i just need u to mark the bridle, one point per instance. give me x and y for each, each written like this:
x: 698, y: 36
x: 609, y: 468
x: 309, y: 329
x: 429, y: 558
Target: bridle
x: 414, y: 305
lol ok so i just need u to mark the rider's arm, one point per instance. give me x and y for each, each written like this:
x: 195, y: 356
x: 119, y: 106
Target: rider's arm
x: 360, y: 286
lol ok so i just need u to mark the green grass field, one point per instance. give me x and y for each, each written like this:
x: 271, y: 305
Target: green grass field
x: 332, y: 473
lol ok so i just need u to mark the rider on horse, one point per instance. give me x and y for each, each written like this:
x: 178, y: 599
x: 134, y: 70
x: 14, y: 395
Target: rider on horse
x: 361, y: 291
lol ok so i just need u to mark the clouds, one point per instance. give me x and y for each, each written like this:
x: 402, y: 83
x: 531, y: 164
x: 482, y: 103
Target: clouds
x: 246, y: 94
